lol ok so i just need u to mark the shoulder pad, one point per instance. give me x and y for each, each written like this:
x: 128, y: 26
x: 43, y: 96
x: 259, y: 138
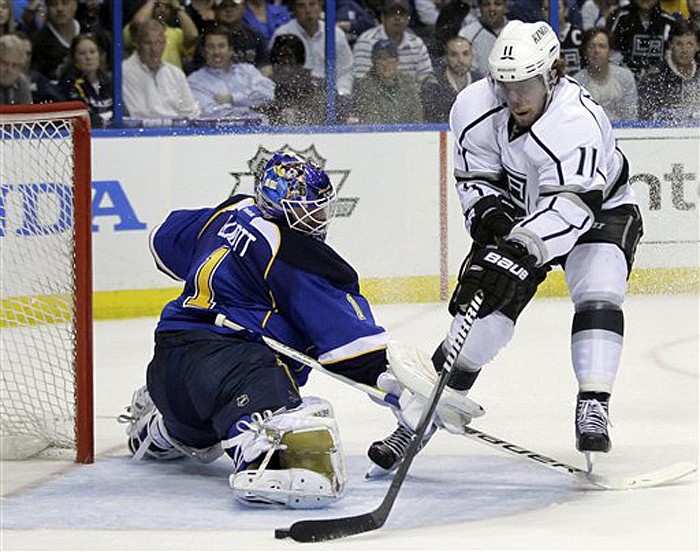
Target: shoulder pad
x: 231, y: 200
x: 314, y: 256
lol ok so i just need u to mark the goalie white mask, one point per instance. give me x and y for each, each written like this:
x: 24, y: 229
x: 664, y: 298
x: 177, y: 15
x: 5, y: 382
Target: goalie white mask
x: 292, y: 188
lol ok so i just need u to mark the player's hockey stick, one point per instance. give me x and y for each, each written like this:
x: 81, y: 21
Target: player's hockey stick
x: 651, y: 479
x: 641, y: 481
x: 306, y: 360
x: 317, y: 530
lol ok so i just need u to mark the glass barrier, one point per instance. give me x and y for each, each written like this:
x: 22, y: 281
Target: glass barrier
x: 300, y: 63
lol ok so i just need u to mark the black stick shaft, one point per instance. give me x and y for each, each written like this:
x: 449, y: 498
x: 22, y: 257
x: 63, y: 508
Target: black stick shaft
x: 326, y: 529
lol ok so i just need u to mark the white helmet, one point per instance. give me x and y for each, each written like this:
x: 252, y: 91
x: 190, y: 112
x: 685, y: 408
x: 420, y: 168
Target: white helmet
x: 522, y: 51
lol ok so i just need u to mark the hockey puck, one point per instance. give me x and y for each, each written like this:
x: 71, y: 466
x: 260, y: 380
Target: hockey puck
x: 281, y: 533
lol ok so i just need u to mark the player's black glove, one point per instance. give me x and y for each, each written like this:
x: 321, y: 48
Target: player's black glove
x: 493, y: 218
x: 503, y: 273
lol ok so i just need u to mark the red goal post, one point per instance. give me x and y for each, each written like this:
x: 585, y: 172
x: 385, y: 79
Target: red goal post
x: 46, y: 281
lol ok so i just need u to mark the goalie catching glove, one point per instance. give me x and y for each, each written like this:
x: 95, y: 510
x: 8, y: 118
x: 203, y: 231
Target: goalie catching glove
x: 504, y: 273
x: 411, y: 377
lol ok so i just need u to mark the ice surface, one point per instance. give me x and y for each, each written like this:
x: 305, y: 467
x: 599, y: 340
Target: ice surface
x: 459, y: 494
x: 96, y: 495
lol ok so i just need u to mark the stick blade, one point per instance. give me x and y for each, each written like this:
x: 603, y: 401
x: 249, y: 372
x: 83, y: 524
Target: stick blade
x: 656, y: 478
x: 319, y: 530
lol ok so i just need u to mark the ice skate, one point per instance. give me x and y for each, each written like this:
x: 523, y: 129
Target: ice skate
x: 386, y: 455
x: 592, y: 424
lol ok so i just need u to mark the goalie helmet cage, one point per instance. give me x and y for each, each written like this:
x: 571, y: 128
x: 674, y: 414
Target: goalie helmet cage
x: 46, y: 281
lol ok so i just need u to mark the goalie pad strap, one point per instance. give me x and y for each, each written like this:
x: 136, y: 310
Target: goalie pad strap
x: 308, y: 469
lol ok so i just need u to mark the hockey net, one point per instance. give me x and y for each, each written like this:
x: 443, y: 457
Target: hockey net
x: 45, y: 281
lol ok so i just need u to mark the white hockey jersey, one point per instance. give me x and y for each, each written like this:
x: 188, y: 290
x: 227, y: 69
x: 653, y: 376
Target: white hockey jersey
x: 560, y: 173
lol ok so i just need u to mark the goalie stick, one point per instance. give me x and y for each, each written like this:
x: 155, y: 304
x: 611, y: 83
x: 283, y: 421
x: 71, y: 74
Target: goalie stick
x: 306, y: 360
x: 651, y: 479
x: 317, y: 530
x: 471, y: 407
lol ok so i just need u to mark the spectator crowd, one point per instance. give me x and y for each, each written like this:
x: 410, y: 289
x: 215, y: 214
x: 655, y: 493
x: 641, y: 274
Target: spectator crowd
x: 397, y: 61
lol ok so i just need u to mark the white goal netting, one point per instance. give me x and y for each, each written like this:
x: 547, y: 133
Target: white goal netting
x: 37, y: 286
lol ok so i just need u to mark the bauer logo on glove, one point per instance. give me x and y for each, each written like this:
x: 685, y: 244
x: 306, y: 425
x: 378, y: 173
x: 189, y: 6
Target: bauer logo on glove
x: 507, y: 264
x: 504, y: 273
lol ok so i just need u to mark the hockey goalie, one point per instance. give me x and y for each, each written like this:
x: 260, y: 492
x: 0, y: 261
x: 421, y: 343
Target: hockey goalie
x: 262, y: 262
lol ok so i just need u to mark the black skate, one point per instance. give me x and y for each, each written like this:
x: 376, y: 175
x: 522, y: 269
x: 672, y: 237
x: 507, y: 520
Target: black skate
x: 386, y: 455
x: 592, y: 422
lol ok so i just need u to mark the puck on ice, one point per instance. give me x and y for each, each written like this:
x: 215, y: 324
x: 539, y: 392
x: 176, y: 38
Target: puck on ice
x: 281, y: 533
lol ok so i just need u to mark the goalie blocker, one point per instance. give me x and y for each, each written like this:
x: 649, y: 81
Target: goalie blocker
x: 412, y: 376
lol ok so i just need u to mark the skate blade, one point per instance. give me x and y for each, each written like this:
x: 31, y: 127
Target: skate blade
x: 377, y: 472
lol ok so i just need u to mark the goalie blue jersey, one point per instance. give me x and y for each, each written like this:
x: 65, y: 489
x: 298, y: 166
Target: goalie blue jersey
x: 269, y: 279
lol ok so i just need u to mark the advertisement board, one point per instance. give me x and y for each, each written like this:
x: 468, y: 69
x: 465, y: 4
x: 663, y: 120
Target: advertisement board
x: 399, y: 224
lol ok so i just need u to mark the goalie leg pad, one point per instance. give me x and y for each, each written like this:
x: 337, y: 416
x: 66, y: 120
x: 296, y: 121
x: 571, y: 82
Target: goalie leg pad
x: 295, y: 488
x: 147, y: 436
x: 294, y: 456
x: 309, y: 449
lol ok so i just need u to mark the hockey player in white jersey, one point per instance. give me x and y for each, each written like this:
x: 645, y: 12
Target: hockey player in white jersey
x: 541, y: 182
